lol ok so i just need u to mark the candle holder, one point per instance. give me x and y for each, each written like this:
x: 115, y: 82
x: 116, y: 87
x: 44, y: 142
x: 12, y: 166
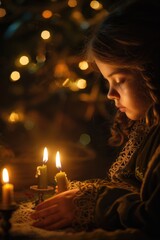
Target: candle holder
x: 41, y: 192
x: 6, y: 212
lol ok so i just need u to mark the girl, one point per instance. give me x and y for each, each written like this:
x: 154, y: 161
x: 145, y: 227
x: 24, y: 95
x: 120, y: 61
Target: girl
x: 126, y: 50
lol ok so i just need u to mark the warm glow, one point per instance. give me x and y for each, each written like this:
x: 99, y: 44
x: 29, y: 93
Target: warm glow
x: 24, y: 60
x: 83, y: 65
x: 45, y: 34
x: 58, y: 161
x: 41, y: 58
x: 2, y: 12
x: 15, y: 117
x: 72, y: 3
x: 61, y: 70
x: 77, y: 15
x: 45, y: 155
x: 15, y: 75
x: 47, y: 14
x: 95, y: 5
x: 85, y: 139
x: 65, y: 83
x: 5, y: 176
x: 81, y: 83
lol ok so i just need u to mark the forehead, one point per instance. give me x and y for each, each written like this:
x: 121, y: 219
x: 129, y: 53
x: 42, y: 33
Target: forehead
x: 108, y: 70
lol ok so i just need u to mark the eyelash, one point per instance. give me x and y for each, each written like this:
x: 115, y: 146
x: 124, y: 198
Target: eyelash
x: 120, y: 81
x: 106, y: 83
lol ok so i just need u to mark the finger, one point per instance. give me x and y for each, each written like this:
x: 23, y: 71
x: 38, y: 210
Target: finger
x: 44, y: 222
x: 58, y: 225
x: 55, y: 199
x: 47, y: 203
x: 45, y: 212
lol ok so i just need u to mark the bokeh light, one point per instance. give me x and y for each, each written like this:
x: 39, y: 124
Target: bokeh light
x: 83, y: 65
x: 85, y: 139
x: 81, y: 83
x: 47, y: 14
x: 72, y: 3
x: 2, y: 12
x: 15, y: 76
x: 96, y: 5
x: 45, y: 34
x: 24, y: 60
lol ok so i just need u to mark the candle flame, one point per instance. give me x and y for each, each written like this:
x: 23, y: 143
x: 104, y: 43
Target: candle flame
x: 5, y: 176
x: 58, y: 161
x: 45, y: 155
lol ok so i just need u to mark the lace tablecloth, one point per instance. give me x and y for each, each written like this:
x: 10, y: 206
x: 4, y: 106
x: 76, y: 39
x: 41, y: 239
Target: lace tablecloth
x: 22, y: 229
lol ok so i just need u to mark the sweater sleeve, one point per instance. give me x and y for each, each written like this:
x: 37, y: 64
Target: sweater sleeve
x: 116, y: 209
x: 86, y: 200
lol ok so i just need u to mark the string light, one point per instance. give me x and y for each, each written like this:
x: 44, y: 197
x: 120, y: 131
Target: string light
x: 2, y: 12
x: 95, y: 5
x: 45, y: 34
x: 83, y: 65
x: 47, y: 14
x: 15, y: 76
x: 72, y: 3
x: 81, y: 83
x: 24, y: 60
x: 15, y: 117
x: 65, y: 83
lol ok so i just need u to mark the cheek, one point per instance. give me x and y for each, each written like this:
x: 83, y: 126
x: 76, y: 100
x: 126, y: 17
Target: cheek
x: 131, y: 97
x: 139, y: 102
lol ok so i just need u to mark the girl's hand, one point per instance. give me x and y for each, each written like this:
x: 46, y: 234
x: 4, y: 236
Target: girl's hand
x: 56, y: 212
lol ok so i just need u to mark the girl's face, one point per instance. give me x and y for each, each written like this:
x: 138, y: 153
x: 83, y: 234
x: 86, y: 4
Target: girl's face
x: 126, y: 89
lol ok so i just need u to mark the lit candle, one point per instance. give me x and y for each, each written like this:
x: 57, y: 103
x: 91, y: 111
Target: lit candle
x: 7, y: 190
x: 61, y: 177
x: 41, y: 173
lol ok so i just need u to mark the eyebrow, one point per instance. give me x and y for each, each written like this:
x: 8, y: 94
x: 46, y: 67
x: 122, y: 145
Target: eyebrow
x: 119, y: 70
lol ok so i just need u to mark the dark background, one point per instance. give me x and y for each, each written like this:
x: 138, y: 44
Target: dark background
x: 38, y: 110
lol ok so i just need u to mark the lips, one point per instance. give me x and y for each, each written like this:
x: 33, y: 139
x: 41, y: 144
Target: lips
x: 121, y: 108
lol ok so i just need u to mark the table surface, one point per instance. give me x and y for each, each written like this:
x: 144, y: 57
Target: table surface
x: 21, y: 229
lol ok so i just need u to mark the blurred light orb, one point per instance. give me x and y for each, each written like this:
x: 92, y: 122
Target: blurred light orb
x: 83, y: 65
x: 95, y: 5
x: 84, y: 25
x: 47, y: 13
x: 81, y: 83
x: 45, y: 34
x: 85, y: 139
x: 40, y: 58
x: 14, y: 117
x: 2, y: 12
x: 72, y: 3
x: 32, y: 68
x: 77, y: 16
x: 24, y: 60
x: 29, y: 125
x: 15, y: 76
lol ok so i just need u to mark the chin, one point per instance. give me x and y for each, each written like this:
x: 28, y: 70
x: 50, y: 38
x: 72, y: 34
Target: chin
x: 133, y: 117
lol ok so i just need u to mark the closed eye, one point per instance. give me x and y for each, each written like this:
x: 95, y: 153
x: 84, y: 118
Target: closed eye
x: 120, y: 80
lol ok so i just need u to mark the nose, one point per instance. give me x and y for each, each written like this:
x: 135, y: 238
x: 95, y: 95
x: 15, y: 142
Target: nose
x: 112, y: 94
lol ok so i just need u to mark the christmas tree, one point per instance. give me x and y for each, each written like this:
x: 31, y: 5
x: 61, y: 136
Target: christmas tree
x: 49, y: 94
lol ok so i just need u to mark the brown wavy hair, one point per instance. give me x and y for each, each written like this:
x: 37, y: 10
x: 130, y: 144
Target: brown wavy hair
x: 129, y: 37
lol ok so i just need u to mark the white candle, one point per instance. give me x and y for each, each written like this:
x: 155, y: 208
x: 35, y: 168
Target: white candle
x: 7, y: 190
x: 41, y: 173
x: 61, y: 177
